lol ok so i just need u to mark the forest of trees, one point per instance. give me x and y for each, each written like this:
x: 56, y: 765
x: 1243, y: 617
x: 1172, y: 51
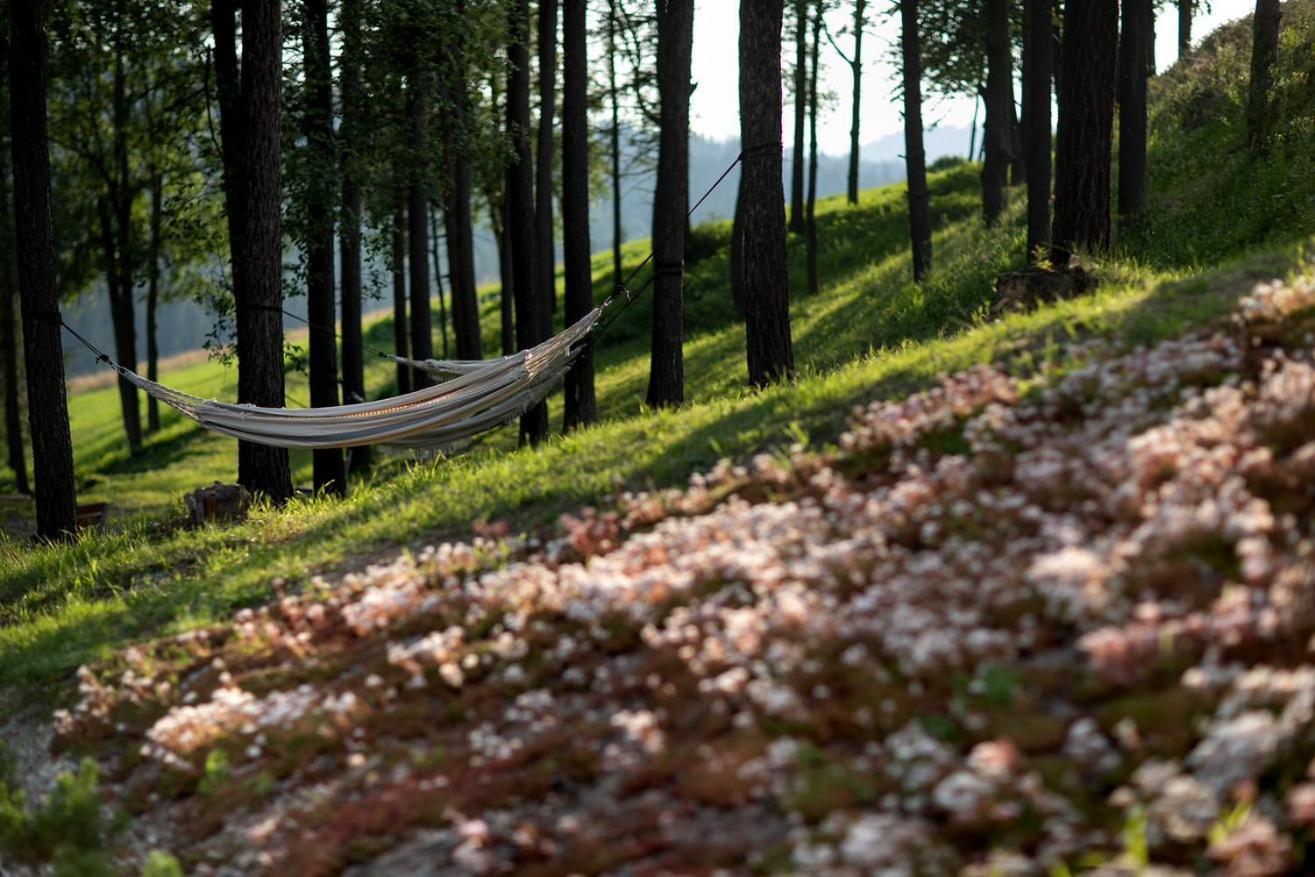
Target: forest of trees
x: 162, y: 149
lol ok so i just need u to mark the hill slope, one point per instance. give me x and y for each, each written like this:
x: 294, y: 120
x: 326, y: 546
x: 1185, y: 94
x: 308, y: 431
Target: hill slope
x: 885, y: 644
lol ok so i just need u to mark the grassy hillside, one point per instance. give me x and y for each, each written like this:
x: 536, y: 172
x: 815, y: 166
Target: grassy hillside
x: 870, y: 332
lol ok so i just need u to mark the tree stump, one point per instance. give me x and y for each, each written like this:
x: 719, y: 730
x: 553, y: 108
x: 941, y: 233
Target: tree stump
x: 1025, y: 289
x: 218, y: 503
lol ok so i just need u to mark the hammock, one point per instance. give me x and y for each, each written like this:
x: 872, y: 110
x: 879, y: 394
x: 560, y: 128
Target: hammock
x: 485, y: 395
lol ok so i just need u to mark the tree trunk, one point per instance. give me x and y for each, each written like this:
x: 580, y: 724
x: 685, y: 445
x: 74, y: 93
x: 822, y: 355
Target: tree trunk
x: 116, y: 222
x: 438, y: 280
x: 327, y: 464
x: 250, y: 120
x: 999, y: 101
x: 666, y: 376
x: 800, y: 151
x: 614, y: 135
x: 1185, y: 9
x: 814, y: 282
x: 737, y: 248
x: 1017, y: 166
x: 507, y: 292
x: 47, y: 406
x: 123, y: 322
x: 1086, y: 121
x: 1264, y: 54
x: 422, y: 321
x: 460, y: 232
x: 581, y: 404
x: 766, y: 280
x: 1134, y: 45
x: 915, y: 156
x: 8, y: 293
x: 1037, y: 65
x: 153, y: 298
x: 545, y: 257
x: 351, y: 133
x: 529, y: 299
x: 856, y: 116
x: 401, y: 342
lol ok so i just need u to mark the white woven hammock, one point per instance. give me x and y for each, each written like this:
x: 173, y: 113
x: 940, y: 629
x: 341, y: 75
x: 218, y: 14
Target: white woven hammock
x: 485, y: 395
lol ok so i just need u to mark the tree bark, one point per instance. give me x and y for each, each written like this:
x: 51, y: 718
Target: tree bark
x: 460, y: 231
x: 440, y: 292
x: 1134, y: 48
x: 250, y: 125
x: 614, y: 136
x: 401, y: 335
x: 529, y: 299
x: 737, y: 248
x: 814, y: 282
x: 999, y: 100
x: 153, y: 298
x: 1185, y: 9
x: 422, y: 321
x: 800, y: 151
x: 8, y: 294
x: 666, y: 376
x: 507, y: 293
x: 1264, y: 55
x: 581, y: 405
x: 327, y: 464
x: 1086, y: 121
x: 915, y: 156
x: 1038, y: 60
x: 545, y: 257
x: 766, y: 280
x: 351, y: 133
x: 856, y: 115
x: 47, y: 406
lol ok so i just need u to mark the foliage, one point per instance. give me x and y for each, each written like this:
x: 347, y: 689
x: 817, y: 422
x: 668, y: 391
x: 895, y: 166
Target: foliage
x: 69, y: 830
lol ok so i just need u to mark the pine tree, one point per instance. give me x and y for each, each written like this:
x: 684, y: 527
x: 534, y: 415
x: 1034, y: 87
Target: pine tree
x: 762, y: 199
x: 1038, y: 63
x: 581, y: 405
x: 915, y: 156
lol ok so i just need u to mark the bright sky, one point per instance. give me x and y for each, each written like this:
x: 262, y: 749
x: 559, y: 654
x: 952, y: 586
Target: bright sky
x: 716, y: 40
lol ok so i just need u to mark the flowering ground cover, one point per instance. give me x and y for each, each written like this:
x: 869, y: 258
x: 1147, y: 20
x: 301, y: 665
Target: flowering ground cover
x: 1001, y: 628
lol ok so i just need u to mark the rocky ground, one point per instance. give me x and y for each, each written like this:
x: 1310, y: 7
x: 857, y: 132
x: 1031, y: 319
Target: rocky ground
x: 1001, y: 629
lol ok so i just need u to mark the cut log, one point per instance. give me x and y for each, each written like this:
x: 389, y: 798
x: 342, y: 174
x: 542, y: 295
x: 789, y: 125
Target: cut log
x: 218, y: 503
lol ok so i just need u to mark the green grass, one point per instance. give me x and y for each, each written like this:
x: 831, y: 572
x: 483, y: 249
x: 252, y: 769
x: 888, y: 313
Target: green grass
x: 869, y: 333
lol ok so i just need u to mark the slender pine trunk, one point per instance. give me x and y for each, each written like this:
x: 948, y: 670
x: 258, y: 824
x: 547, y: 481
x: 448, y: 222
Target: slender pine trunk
x: 915, y: 156
x: 814, y: 282
x: 507, y: 292
x: 460, y: 223
x: 422, y: 322
x: 153, y: 297
x: 401, y: 335
x: 8, y: 295
x: 856, y: 115
x: 327, y: 464
x: 999, y: 100
x: 1038, y: 60
x: 47, y: 405
x: 1134, y: 46
x: 438, y: 281
x: 1264, y: 55
x: 614, y: 137
x: 581, y: 406
x: 529, y: 299
x: 1185, y: 10
x: 666, y: 376
x: 1085, y: 133
x: 799, y: 153
x: 545, y: 257
x: 351, y: 134
x: 766, y: 280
